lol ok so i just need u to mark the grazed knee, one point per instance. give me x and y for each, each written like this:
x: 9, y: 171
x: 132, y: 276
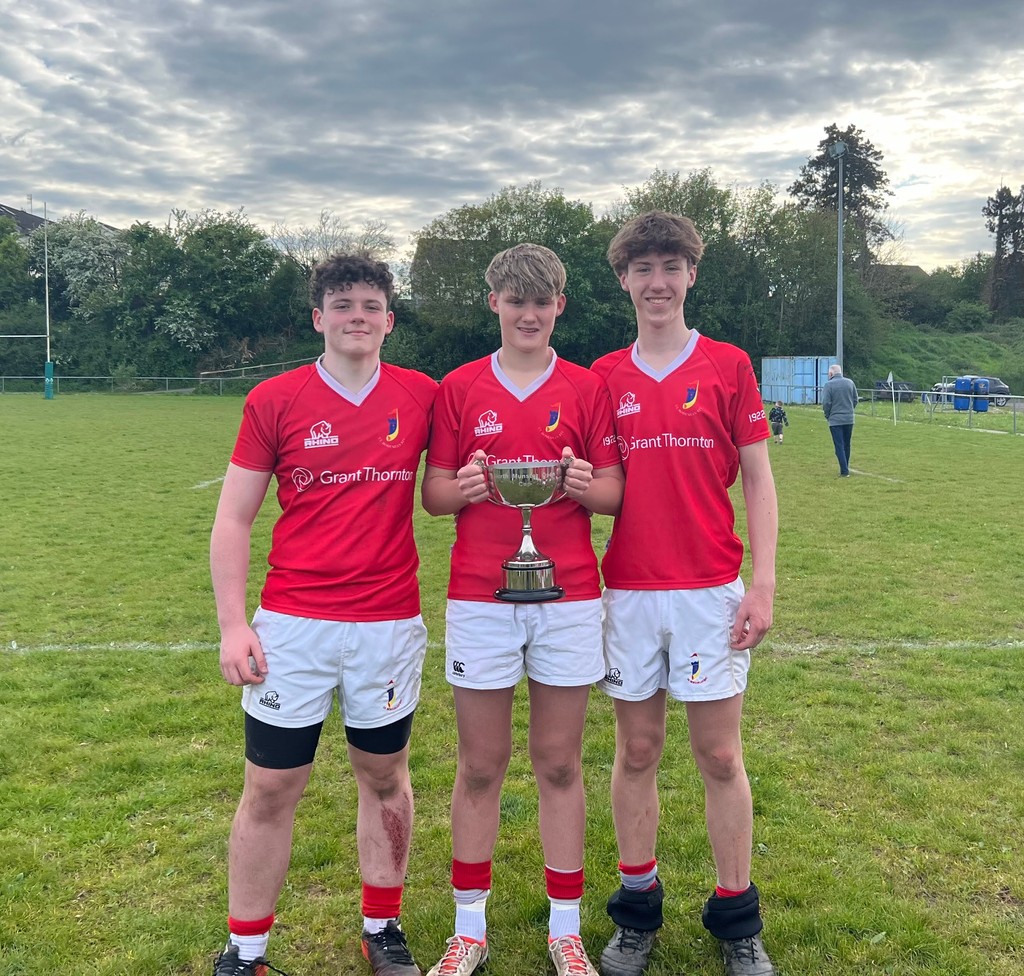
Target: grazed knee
x: 721, y: 764
x: 558, y: 776
x: 639, y: 754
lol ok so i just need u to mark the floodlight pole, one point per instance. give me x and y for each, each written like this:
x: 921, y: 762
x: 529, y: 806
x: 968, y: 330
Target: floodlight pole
x: 837, y: 150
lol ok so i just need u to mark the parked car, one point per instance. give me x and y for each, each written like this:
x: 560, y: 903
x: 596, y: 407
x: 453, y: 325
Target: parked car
x: 998, y: 391
x: 883, y: 391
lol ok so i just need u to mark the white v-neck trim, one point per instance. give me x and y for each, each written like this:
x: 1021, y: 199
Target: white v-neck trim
x: 356, y: 399
x: 520, y: 394
x: 658, y: 375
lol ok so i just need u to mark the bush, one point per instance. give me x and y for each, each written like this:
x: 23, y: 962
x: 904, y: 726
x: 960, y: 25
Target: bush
x: 968, y: 317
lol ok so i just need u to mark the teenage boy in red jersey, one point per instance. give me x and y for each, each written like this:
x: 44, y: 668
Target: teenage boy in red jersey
x: 677, y: 619
x: 339, y: 612
x: 521, y: 404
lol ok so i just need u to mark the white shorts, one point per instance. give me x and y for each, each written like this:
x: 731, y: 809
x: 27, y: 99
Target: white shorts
x: 492, y: 645
x: 374, y: 666
x: 673, y: 639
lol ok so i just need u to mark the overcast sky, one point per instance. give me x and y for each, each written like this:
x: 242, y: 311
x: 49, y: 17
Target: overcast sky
x: 402, y: 109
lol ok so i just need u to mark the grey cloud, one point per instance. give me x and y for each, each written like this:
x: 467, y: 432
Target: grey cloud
x: 402, y: 109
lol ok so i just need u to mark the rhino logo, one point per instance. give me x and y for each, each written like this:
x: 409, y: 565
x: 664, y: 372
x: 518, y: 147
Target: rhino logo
x: 320, y: 435
x: 487, y: 423
x: 627, y: 404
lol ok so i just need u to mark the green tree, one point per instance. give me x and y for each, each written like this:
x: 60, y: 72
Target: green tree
x: 202, y: 292
x: 929, y: 298
x: 81, y: 258
x: 720, y: 303
x: 161, y: 301
x: 22, y: 357
x: 15, y: 280
x: 865, y: 188
x: 84, y: 262
x: 713, y: 209
x: 1004, y: 218
x: 222, y: 280
x: 20, y: 314
x: 968, y: 317
x: 449, y: 292
x: 803, y: 276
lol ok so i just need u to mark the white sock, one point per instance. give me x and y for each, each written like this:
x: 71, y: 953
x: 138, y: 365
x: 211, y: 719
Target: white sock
x: 250, y: 947
x: 375, y: 925
x: 471, y: 914
x: 564, y: 917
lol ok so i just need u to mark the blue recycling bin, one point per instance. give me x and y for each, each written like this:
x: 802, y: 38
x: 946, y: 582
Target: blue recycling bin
x: 980, y: 395
x: 962, y: 387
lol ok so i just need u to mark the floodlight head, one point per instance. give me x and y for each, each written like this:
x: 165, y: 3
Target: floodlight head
x: 837, y: 149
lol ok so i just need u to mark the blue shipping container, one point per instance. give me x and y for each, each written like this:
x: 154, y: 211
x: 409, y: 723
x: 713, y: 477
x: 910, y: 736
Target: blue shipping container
x: 794, y: 379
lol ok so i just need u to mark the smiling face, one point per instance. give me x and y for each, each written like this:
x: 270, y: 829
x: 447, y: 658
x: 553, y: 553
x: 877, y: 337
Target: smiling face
x: 526, y: 323
x: 657, y: 285
x: 354, y: 321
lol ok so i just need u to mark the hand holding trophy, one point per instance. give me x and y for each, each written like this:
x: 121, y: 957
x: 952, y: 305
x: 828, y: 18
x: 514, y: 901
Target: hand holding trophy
x: 529, y: 575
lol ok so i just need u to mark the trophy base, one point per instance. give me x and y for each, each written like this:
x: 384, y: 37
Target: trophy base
x: 529, y: 578
x: 529, y: 596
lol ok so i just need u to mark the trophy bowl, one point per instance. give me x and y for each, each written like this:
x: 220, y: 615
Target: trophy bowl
x: 529, y: 575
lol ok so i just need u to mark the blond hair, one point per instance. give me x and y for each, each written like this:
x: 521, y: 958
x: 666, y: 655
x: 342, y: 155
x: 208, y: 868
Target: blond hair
x: 526, y: 271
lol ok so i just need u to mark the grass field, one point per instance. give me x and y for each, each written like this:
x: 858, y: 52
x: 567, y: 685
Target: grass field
x: 882, y: 723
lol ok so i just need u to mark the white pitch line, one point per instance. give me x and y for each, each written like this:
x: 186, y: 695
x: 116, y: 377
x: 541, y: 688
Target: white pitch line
x: 881, y: 477
x: 783, y: 647
x: 16, y: 647
x: 872, y: 647
x: 206, y: 484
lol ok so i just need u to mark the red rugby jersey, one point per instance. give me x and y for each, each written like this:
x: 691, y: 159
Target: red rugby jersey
x: 478, y: 407
x: 679, y: 433
x: 346, y: 467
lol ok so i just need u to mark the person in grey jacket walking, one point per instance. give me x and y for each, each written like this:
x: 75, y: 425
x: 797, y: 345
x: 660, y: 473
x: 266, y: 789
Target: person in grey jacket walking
x: 838, y: 402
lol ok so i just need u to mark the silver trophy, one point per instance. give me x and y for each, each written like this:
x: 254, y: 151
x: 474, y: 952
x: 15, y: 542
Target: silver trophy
x: 529, y: 575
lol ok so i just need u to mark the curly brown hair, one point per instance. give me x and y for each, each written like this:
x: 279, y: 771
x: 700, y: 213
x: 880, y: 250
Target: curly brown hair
x: 341, y: 271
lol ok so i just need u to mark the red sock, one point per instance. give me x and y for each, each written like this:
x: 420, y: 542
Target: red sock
x: 468, y: 876
x: 260, y: 926
x: 382, y: 902
x: 564, y: 885
x: 729, y: 893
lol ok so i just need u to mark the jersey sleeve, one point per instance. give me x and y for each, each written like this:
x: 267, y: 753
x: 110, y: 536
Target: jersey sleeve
x: 602, y: 445
x: 443, y: 446
x: 256, y: 445
x: 749, y: 424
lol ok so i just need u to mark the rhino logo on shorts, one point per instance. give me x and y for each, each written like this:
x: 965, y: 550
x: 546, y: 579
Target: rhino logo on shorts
x: 613, y: 677
x: 269, y: 700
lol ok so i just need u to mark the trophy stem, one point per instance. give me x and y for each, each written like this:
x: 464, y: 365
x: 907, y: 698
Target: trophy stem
x: 528, y: 548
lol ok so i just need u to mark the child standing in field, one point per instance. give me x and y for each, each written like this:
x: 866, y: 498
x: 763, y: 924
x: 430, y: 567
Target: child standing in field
x: 678, y: 620
x: 522, y: 404
x: 777, y: 418
x: 339, y: 614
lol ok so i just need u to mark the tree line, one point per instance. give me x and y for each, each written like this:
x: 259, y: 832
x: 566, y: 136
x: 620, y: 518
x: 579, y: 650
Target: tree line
x: 211, y: 291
